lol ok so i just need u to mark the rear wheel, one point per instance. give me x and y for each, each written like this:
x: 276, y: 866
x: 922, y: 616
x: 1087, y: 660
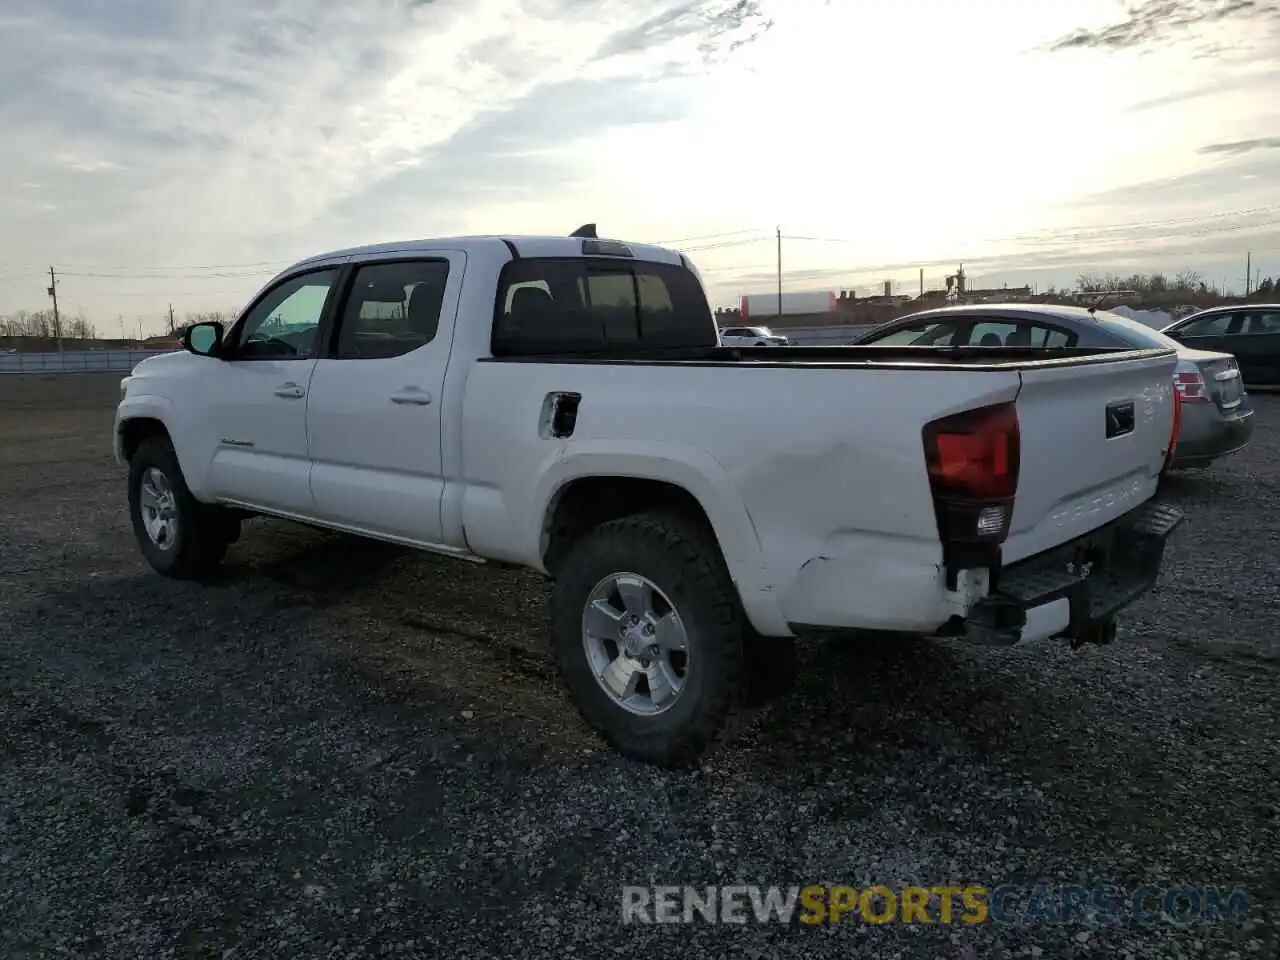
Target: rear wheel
x: 648, y: 638
x: 179, y: 536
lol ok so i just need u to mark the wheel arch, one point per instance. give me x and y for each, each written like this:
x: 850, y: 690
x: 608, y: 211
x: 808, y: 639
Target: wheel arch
x: 588, y: 491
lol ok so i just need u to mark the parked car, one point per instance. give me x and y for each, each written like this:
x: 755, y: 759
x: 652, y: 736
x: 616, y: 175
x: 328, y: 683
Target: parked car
x: 1249, y: 332
x: 751, y: 337
x: 1216, y: 416
x: 565, y: 404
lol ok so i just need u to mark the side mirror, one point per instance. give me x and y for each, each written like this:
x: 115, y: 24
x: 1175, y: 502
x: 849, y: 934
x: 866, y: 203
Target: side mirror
x: 203, y: 339
x: 1174, y: 334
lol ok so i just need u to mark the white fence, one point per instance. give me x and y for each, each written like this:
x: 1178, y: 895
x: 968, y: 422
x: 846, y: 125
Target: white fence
x: 76, y: 361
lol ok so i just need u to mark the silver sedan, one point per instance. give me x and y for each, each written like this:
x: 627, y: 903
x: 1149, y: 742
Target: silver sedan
x: 1217, y: 415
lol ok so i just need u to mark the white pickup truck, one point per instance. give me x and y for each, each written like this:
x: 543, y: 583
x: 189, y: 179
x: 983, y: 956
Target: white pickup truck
x: 563, y: 403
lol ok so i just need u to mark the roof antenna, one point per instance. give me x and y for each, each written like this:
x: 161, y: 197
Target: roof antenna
x: 587, y: 231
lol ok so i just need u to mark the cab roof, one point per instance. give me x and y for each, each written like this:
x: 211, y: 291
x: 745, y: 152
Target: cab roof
x: 524, y: 246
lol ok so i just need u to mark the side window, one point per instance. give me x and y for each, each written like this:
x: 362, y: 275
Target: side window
x: 925, y: 335
x: 1262, y: 323
x: 1214, y: 326
x: 283, y: 324
x: 393, y: 308
x: 1024, y: 335
x: 995, y: 334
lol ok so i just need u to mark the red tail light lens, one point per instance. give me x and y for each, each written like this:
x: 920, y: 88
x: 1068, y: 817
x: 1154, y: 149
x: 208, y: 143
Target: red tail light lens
x: 1191, y: 386
x: 974, y: 455
x: 972, y: 459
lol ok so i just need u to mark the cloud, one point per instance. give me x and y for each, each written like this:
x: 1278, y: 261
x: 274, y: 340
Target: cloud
x: 1254, y: 82
x: 208, y: 127
x: 520, y: 153
x: 1154, y: 21
x: 1240, y: 147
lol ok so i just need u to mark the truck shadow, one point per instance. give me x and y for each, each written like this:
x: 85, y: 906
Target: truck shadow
x: 326, y: 564
x: 453, y: 639
x: 861, y: 704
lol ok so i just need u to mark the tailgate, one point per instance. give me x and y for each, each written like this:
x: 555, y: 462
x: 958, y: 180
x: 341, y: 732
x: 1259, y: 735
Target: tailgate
x: 1093, y: 441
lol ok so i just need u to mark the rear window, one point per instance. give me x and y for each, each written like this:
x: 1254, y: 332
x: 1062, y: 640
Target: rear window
x: 598, y: 305
x: 1135, y: 334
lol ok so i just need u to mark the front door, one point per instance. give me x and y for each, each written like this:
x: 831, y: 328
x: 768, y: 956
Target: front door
x: 375, y: 407
x: 1213, y: 332
x: 258, y: 397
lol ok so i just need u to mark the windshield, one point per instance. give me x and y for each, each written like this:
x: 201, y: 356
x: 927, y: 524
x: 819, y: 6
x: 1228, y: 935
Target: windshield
x: 1132, y: 332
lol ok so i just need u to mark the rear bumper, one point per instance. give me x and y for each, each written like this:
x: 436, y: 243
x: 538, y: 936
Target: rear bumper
x: 1075, y: 589
x: 1207, y: 433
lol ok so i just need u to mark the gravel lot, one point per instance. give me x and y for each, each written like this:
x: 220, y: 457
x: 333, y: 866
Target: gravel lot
x: 349, y: 750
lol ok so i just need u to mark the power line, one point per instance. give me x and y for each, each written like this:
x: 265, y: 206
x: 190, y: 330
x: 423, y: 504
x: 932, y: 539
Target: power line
x: 705, y: 236
x: 725, y: 244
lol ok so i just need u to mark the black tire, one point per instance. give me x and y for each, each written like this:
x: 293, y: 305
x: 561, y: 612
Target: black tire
x: 684, y: 562
x: 202, y: 534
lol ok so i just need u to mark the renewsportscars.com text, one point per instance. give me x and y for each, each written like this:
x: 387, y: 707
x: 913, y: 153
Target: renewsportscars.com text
x: 822, y: 904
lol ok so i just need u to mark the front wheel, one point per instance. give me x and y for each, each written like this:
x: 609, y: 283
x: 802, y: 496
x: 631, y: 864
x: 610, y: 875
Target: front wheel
x: 648, y: 638
x: 180, y: 537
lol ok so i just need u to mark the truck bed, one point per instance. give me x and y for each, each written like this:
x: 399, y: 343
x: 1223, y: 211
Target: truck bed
x: 815, y: 483
x: 905, y: 357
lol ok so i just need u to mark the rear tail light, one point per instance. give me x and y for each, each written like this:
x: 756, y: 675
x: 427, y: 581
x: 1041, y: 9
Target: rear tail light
x: 972, y: 459
x: 1191, y: 386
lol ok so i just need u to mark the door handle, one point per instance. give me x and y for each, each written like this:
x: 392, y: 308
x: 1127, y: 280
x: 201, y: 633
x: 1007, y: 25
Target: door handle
x: 412, y: 395
x: 290, y: 391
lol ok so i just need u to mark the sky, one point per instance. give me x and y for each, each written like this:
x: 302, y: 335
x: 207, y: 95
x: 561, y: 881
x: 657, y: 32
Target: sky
x: 180, y: 151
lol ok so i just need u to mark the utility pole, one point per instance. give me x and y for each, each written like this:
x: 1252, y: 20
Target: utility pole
x: 1248, y: 272
x: 57, y: 321
x: 922, y: 282
x: 779, y: 231
x: 171, y: 319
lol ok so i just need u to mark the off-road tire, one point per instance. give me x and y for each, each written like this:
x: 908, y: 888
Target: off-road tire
x: 203, y: 530
x: 683, y: 561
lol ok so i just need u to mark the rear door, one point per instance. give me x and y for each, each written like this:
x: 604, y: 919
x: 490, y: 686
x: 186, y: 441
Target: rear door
x: 373, y: 418
x: 1094, y: 435
x: 1256, y: 346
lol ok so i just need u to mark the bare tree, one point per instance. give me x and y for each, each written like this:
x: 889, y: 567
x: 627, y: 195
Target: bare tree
x: 1188, y: 280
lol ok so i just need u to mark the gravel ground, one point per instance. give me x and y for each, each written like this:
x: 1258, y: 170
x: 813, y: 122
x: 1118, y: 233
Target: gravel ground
x: 347, y: 750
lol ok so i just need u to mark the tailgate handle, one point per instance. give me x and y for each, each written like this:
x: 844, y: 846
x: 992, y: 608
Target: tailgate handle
x: 1120, y: 418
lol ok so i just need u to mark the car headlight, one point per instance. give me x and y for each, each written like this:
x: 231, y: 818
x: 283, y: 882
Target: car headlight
x: 124, y: 387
